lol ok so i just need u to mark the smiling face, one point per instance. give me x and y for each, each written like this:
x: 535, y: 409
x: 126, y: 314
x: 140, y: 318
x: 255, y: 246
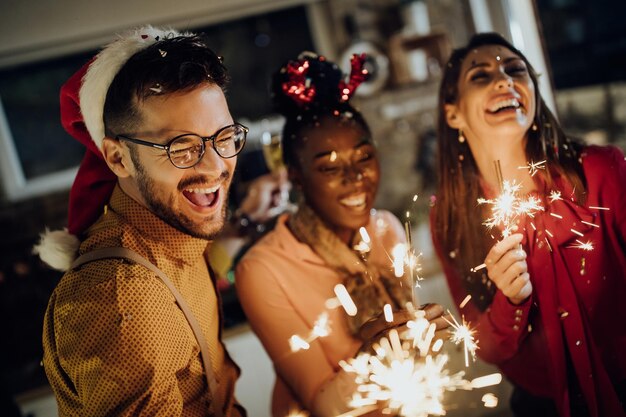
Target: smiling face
x: 339, y: 173
x: 496, y: 98
x: 191, y: 200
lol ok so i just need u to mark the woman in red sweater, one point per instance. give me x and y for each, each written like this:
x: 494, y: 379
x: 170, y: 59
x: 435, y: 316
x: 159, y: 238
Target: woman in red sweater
x: 549, y: 311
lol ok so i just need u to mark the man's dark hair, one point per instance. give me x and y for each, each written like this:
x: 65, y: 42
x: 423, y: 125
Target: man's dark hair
x: 170, y: 65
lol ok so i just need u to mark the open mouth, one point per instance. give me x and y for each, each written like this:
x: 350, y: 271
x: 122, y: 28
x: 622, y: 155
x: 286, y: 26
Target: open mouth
x: 508, y: 104
x: 356, y: 201
x: 202, y: 197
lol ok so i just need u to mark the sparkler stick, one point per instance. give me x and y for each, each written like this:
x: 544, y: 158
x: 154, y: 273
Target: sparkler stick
x: 409, y: 246
x: 498, y: 168
x: 508, y: 207
x: 462, y: 333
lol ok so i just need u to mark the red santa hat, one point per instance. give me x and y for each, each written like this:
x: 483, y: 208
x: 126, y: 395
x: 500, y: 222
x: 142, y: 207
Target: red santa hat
x: 82, y: 115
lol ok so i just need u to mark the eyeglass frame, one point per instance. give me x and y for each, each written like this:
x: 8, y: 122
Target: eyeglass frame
x: 205, y: 139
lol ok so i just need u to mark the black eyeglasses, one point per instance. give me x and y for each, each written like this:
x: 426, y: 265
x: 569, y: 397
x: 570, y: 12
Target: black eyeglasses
x: 185, y: 151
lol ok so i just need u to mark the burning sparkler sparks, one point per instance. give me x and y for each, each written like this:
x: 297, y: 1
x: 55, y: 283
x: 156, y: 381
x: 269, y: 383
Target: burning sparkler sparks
x: 321, y: 328
x: 364, y: 245
x: 406, y: 381
x: 463, y: 333
x: 346, y: 301
x: 583, y: 245
x: 508, y: 207
x: 534, y: 167
x: 554, y: 196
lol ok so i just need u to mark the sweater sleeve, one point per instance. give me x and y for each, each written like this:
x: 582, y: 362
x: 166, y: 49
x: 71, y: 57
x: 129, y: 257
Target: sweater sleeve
x: 501, y: 328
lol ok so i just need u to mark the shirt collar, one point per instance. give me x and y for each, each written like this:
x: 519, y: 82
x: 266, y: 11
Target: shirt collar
x: 152, y: 228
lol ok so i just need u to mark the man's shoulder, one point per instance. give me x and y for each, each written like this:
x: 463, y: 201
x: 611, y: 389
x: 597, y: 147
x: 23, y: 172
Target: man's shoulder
x: 101, y: 277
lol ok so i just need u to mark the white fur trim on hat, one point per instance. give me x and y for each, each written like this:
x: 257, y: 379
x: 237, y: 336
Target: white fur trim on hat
x: 104, y: 68
x: 57, y: 248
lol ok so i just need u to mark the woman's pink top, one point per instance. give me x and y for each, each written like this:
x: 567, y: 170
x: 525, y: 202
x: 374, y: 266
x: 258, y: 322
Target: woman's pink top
x: 284, y: 287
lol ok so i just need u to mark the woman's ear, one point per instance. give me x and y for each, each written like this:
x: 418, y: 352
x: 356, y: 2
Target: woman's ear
x: 117, y: 157
x: 452, y: 116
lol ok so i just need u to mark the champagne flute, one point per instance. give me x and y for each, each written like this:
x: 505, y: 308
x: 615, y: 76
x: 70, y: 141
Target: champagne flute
x: 273, y: 154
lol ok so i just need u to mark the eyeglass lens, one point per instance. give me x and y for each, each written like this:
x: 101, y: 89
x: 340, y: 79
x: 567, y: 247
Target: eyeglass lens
x: 187, y: 150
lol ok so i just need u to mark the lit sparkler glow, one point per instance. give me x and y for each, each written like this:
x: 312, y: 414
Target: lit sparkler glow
x: 583, y: 245
x: 508, y: 207
x: 461, y: 332
x: 407, y: 382
x: 321, y: 328
x: 346, y: 301
x: 534, y: 167
x: 466, y: 300
x: 554, y: 196
x: 364, y: 245
x: 490, y: 400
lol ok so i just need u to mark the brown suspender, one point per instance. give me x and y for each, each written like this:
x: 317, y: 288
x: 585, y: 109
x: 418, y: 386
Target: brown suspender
x: 119, y: 252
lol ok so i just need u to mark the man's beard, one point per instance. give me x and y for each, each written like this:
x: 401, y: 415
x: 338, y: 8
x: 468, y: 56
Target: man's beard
x: 162, y: 210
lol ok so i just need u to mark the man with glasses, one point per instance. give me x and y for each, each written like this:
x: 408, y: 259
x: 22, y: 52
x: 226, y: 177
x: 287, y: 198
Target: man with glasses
x: 133, y: 328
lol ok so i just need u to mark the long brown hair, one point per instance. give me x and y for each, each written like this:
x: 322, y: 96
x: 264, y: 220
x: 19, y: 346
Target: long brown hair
x: 458, y: 228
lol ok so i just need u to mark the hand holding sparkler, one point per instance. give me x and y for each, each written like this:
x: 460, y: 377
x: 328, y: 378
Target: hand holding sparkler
x: 378, y: 327
x: 507, y: 268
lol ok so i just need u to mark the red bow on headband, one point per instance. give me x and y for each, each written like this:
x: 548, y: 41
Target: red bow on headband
x: 358, y: 75
x: 298, y: 87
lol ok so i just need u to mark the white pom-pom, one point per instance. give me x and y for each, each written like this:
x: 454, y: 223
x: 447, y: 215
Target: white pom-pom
x: 102, y: 71
x: 57, y: 248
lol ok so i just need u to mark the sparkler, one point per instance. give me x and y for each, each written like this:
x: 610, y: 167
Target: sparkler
x: 321, y: 328
x: 462, y: 333
x: 554, y: 196
x: 404, y: 256
x: 509, y: 206
x: 409, y: 382
x: 346, y: 301
x: 583, y: 245
x: 534, y: 167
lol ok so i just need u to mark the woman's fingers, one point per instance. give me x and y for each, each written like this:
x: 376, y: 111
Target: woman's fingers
x: 432, y: 311
x: 507, y: 268
x: 502, y: 247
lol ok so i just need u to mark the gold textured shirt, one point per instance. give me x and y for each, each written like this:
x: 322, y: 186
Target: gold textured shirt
x: 116, y: 343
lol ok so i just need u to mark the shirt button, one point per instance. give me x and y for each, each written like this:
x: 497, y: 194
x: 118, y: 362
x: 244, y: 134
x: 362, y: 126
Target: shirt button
x: 519, y: 312
x: 578, y: 343
x: 515, y: 327
x: 518, y: 319
x: 563, y: 313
